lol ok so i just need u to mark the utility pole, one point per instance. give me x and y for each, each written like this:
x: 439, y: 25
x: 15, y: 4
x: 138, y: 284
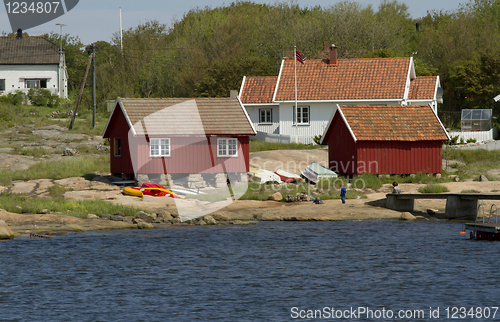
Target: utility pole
x: 61, y: 69
x: 93, y: 88
x: 81, y: 92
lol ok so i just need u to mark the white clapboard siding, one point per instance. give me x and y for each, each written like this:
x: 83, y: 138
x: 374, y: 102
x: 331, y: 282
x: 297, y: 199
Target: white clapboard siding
x: 320, y: 114
x: 272, y: 128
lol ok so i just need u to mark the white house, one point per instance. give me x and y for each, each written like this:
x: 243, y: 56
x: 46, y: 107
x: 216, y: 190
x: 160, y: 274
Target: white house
x: 322, y: 84
x: 27, y: 62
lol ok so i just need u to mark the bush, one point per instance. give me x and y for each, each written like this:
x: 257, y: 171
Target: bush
x: 317, y: 139
x: 16, y: 98
x: 367, y: 180
x: 6, y: 112
x: 454, y: 140
x: 42, y: 97
x: 471, y: 140
x: 433, y: 188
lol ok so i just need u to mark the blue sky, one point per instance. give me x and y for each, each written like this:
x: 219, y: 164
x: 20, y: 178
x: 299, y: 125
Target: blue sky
x: 94, y: 20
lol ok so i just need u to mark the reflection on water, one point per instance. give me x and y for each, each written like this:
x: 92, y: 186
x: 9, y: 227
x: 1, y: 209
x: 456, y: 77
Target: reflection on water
x: 241, y: 273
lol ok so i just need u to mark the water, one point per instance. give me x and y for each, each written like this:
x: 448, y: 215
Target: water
x: 268, y: 272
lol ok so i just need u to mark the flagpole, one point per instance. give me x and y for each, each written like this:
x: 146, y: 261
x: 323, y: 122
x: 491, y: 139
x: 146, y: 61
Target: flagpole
x: 295, y: 63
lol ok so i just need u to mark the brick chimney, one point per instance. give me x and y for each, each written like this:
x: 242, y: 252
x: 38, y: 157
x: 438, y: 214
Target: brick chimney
x: 19, y: 33
x: 333, y: 56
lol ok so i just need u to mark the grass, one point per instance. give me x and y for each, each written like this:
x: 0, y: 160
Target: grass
x: 469, y: 191
x: 66, y: 168
x: 325, y: 190
x: 12, y: 202
x: 257, y: 146
x: 433, y: 188
x: 34, y: 152
x: 56, y: 191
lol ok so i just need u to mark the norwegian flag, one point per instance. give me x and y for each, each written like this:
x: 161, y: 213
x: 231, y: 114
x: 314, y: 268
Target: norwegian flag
x: 299, y: 57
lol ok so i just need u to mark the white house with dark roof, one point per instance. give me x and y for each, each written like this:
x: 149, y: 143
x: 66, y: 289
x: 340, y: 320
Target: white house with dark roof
x: 28, y: 62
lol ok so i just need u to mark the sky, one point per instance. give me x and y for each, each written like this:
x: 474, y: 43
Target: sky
x: 96, y: 20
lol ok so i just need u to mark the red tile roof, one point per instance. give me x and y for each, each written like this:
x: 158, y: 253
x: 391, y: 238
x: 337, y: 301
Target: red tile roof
x: 258, y: 90
x: 394, y: 123
x: 364, y: 78
x: 423, y: 87
x: 187, y: 116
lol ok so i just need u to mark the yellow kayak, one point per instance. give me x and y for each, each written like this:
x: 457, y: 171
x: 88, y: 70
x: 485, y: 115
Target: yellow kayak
x: 132, y: 192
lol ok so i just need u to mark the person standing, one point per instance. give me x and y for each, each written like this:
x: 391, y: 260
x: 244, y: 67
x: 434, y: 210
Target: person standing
x: 343, y: 192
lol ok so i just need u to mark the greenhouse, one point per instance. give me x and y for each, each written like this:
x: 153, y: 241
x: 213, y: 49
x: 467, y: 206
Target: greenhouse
x: 476, y: 120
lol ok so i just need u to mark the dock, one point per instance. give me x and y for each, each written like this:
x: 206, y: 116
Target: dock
x: 459, y: 206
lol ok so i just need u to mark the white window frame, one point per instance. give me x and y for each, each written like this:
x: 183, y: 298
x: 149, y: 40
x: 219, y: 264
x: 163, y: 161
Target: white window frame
x: 268, y: 119
x: 227, y: 145
x: 38, y: 82
x: 2, y: 85
x: 300, y: 115
x: 159, y: 147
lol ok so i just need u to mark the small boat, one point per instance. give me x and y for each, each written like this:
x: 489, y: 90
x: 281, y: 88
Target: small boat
x: 187, y: 192
x: 132, y: 192
x: 263, y: 176
x: 286, y: 176
x: 315, y: 172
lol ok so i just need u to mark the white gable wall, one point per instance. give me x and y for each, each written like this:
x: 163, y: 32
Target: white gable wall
x: 270, y: 128
x: 15, y: 76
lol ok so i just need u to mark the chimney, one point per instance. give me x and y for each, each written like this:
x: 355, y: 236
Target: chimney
x: 333, y: 56
x: 19, y: 33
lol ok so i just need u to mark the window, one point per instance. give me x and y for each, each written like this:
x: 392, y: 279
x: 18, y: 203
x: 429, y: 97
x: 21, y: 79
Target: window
x: 117, y: 146
x: 159, y: 147
x: 265, y: 115
x: 227, y: 147
x: 32, y: 83
x: 302, y: 115
x: 2, y: 84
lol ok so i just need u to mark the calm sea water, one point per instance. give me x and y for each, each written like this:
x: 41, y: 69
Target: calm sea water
x: 275, y: 271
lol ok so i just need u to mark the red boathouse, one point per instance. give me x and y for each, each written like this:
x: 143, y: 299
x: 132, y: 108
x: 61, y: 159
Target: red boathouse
x: 384, y: 140
x: 178, y: 136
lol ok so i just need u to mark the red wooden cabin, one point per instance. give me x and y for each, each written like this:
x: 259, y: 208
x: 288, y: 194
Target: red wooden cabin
x: 384, y: 140
x: 178, y: 136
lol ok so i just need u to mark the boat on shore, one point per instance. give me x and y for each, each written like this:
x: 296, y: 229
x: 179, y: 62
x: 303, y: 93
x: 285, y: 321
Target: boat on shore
x: 315, y: 172
x: 263, y: 176
x: 286, y: 176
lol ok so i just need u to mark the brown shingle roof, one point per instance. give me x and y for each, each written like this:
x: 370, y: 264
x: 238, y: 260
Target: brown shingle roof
x: 423, y: 87
x: 258, y: 90
x: 394, y: 123
x: 187, y: 116
x: 365, y: 78
x: 28, y: 51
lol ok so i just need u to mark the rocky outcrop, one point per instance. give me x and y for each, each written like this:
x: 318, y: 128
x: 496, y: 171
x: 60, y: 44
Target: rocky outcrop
x: 144, y: 225
x: 276, y: 196
x: 5, y: 231
x: 298, y: 197
x: 407, y: 216
x: 70, y: 152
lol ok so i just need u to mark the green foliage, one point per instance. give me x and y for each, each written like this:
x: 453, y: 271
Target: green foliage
x: 42, y: 97
x: 367, y: 180
x: 16, y: 98
x: 433, y: 188
x: 256, y: 146
x: 454, y: 140
x: 56, y: 191
x: 11, y: 202
x: 471, y: 140
x: 66, y: 168
x: 317, y: 140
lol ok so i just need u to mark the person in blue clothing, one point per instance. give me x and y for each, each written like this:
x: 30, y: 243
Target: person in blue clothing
x: 343, y: 192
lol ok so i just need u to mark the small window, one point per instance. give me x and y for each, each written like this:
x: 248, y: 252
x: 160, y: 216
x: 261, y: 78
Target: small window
x: 32, y: 83
x: 302, y: 115
x: 265, y: 115
x: 2, y: 84
x: 159, y: 147
x: 117, y: 147
x: 227, y: 147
